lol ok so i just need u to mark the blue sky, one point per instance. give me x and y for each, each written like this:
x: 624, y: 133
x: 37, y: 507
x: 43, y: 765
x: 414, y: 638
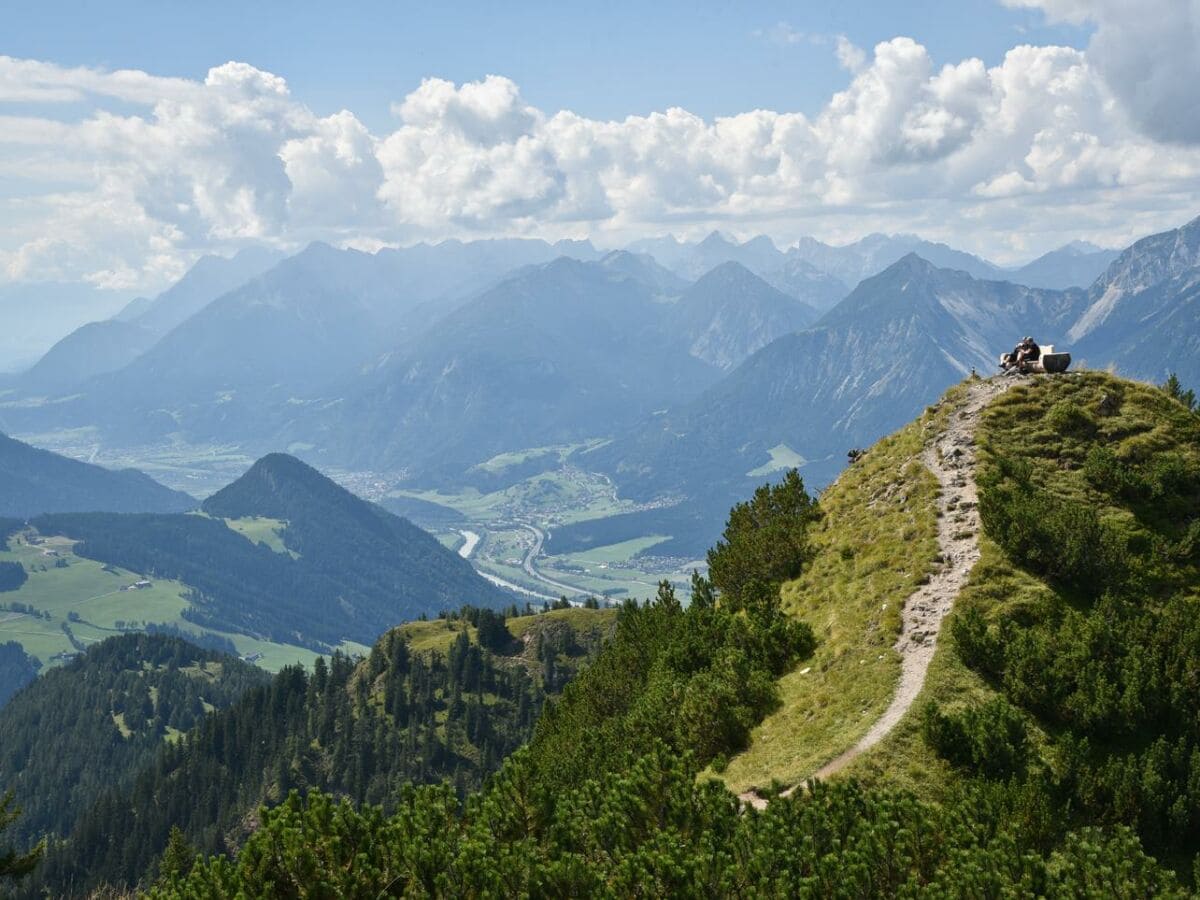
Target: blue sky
x: 602, y: 60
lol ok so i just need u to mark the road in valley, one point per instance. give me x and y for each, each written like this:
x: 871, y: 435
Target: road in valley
x: 467, y: 550
x: 539, y: 538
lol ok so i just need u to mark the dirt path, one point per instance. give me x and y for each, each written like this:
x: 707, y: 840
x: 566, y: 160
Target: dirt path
x: 950, y: 456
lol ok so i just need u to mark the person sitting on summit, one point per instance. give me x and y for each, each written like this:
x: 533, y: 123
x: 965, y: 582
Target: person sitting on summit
x: 1026, y: 351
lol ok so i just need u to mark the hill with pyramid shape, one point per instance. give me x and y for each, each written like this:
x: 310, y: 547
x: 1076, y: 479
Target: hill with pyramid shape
x: 287, y: 555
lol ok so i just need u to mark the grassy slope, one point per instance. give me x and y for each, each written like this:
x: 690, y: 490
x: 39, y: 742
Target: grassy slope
x: 1016, y: 426
x: 259, y: 530
x: 877, y: 540
x: 579, y: 618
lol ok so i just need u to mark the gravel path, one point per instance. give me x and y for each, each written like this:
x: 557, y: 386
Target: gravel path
x: 950, y: 456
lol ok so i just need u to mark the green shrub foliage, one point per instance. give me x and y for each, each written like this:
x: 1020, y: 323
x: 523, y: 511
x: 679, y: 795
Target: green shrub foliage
x: 1106, y: 659
x: 650, y: 829
x: 990, y: 738
x: 1062, y: 539
x: 766, y: 537
x: 697, y: 678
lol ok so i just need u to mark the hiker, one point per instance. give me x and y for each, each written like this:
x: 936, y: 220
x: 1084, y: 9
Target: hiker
x: 1026, y: 351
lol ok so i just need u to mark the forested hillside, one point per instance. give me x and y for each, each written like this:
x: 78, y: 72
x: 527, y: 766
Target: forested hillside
x: 34, y: 481
x: 17, y: 669
x: 87, y: 726
x: 1073, y: 716
x: 438, y: 701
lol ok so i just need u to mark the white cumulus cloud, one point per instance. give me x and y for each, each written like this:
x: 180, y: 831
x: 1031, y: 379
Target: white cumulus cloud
x: 1147, y: 53
x: 1004, y: 160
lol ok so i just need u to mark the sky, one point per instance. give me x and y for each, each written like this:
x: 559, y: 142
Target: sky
x: 136, y: 136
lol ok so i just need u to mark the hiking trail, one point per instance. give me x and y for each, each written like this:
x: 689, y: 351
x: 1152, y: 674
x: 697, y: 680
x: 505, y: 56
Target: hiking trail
x: 950, y: 456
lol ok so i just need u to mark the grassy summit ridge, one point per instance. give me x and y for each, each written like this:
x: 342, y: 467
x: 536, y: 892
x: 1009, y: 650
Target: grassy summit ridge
x: 876, y: 542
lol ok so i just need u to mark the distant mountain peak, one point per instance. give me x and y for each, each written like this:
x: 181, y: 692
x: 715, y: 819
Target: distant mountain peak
x: 613, y: 257
x: 268, y: 488
x: 318, y: 250
x: 1082, y: 248
x: 912, y: 262
x: 714, y: 240
x: 726, y: 270
x: 762, y: 242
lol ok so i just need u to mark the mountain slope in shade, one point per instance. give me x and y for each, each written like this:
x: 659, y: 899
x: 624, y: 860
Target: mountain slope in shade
x: 1143, y: 314
x: 92, y: 349
x: 731, y: 312
x: 208, y: 279
x: 554, y: 354
x: 799, y: 278
x: 874, y: 253
x: 242, y: 367
x: 101, y: 347
x: 1075, y: 265
x: 236, y: 367
x: 867, y: 366
x: 34, y: 481
x: 1165, y: 338
x: 37, y: 314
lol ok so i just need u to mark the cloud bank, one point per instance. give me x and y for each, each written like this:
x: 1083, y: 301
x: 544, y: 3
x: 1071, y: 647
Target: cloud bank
x: 121, y: 178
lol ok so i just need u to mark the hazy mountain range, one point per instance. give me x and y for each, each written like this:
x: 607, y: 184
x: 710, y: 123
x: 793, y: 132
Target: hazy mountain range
x: 712, y: 363
x: 899, y: 338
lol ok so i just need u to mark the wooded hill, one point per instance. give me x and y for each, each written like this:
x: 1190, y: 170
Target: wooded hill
x: 348, y: 570
x: 34, y: 481
x: 87, y: 725
x: 442, y: 700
